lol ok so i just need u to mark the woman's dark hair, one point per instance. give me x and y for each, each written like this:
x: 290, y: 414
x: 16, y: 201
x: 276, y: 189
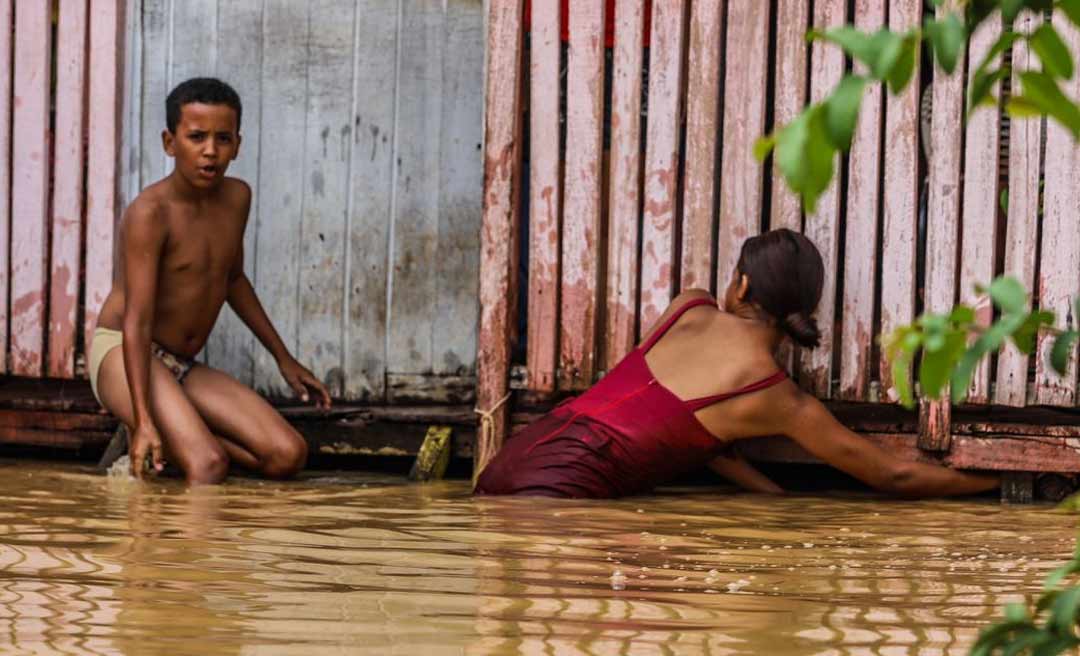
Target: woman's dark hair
x: 786, y: 276
x: 206, y: 90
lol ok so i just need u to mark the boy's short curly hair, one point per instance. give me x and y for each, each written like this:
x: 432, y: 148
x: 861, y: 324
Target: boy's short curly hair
x: 207, y: 90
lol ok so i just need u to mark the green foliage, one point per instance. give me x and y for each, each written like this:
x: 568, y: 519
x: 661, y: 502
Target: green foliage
x: 807, y: 147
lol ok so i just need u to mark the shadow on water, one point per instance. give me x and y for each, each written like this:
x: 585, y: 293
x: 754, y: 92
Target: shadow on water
x: 347, y: 562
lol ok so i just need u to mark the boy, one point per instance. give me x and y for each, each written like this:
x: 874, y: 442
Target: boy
x: 180, y: 259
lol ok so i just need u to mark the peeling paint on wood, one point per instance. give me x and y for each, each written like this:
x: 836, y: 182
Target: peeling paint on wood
x: 789, y: 98
x: 861, y: 230
x: 581, y: 218
x: 545, y: 195
x: 625, y: 189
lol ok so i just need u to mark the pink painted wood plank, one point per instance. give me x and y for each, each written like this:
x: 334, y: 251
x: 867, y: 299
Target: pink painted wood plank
x: 544, y: 195
x: 30, y: 187
x: 744, y: 123
x: 789, y: 98
x: 500, y: 222
x: 661, y: 161
x: 625, y: 188
x: 861, y: 229
x: 6, y: 16
x: 1059, y: 274
x: 980, y: 205
x: 901, y: 196
x: 67, y: 206
x: 702, y: 139
x: 103, y: 156
x: 581, y: 224
x: 1022, y: 225
x: 943, y: 226
x: 823, y: 226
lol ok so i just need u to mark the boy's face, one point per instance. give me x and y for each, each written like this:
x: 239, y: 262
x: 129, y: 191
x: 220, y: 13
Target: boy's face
x: 206, y: 140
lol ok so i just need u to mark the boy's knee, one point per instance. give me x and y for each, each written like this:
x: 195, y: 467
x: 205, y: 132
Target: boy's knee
x: 208, y: 468
x: 287, y: 457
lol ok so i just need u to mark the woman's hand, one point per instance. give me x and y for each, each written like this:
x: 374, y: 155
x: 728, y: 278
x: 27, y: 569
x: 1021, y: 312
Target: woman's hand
x: 145, y: 440
x: 301, y: 380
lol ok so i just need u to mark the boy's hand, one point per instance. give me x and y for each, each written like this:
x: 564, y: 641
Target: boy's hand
x: 145, y: 440
x: 300, y: 379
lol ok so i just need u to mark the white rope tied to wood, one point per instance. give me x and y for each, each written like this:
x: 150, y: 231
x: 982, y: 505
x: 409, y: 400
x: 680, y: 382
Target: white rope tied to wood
x: 487, y: 420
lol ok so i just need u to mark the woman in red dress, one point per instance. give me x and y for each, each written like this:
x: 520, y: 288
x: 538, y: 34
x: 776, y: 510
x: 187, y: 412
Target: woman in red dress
x: 703, y: 378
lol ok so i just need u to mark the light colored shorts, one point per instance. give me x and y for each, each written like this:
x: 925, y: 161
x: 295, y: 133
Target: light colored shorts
x: 106, y: 339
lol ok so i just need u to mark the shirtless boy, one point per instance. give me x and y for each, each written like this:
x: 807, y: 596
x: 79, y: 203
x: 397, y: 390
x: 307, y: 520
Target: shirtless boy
x: 180, y: 259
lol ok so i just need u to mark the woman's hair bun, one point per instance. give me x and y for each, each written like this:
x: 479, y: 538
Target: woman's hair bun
x: 802, y: 328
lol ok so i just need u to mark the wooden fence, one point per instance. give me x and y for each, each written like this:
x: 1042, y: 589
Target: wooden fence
x: 616, y: 230
x: 59, y: 158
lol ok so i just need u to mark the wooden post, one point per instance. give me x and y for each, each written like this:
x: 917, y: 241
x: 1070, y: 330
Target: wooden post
x: 500, y: 223
x: 67, y: 207
x: 545, y: 197
x: 861, y: 230
x: 622, y: 270
x: 702, y: 139
x: 30, y: 186
x: 581, y: 218
x: 103, y: 157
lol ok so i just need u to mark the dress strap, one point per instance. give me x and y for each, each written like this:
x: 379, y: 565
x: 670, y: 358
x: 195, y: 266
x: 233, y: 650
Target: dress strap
x: 697, y: 404
x: 671, y: 321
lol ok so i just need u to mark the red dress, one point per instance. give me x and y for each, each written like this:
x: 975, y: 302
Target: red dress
x: 625, y: 435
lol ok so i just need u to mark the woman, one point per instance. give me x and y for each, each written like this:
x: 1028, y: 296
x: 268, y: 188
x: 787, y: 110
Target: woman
x: 703, y: 378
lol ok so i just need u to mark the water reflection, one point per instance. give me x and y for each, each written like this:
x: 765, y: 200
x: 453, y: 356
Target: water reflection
x: 355, y: 564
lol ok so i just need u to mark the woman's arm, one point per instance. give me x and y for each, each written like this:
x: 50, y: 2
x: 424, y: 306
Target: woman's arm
x: 731, y: 465
x: 810, y: 424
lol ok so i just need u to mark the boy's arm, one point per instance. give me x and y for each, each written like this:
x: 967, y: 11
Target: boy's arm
x: 143, y: 241
x: 731, y: 465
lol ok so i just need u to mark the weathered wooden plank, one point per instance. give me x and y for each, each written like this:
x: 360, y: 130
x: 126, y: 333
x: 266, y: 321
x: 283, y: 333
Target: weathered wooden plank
x: 280, y: 185
x: 374, y: 64
x: 131, y: 128
x: 428, y: 388
x: 660, y: 202
x: 500, y: 222
x: 789, y: 98
x: 460, y: 184
x: 625, y: 191
x: 43, y: 420
x: 67, y: 204
x: 53, y: 439
x: 155, y: 32
x: 1021, y: 232
x: 980, y: 205
x: 30, y: 187
x: 103, y: 153
x: 998, y: 452
x: 327, y: 149
x: 581, y: 218
x: 942, y: 227
x: 545, y: 195
x: 416, y: 188
x: 744, y: 123
x: 193, y: 44
x: 823, y: 226
x: 6, y: 33
x: 702, y: 139
x: 1059, y: 275
x: 901, y: 194
x: 861, y: 229
x: 239, y: 52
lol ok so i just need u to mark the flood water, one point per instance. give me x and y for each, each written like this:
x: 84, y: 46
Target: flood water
x: 363, y: 563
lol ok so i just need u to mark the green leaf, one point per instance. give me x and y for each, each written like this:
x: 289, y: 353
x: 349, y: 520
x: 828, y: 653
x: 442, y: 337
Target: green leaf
x: 842, y: 110
x: 1071, y: 9
x: 1041, y: 91
x: 900, y: 73
x: 962, y: 315
x: 991, y: 340
x: 1016, y: 612
x: 1003, y: 201
x: 1055, y: 645
x: 804, y: 155
x: 1052, y: 51
x: 763, y: 146
x: 1025, y: 336
x: 947, y: 38
x: 936, y: 365
x: 1008, y: 294
x: 876, y: 51
x: 1063, y: 612
x: 1062, y: 349
x: 901, y: 373
x: 981, y: 84
x: 1010, y: 8
x: 1058, y: 575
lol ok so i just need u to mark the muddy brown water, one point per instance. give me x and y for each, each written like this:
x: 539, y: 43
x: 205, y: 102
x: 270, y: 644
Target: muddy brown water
x: 363, y: 563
